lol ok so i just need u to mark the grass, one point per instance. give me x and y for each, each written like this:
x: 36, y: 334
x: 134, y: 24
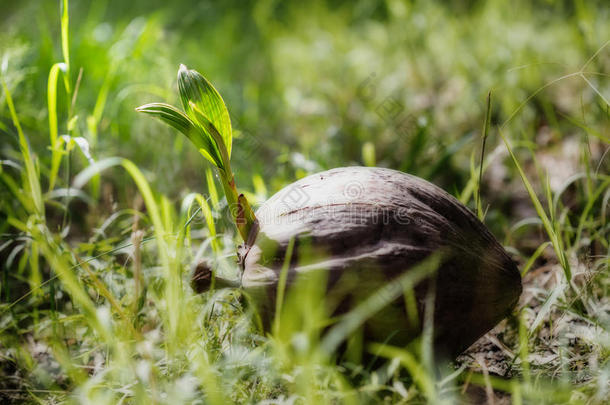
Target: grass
x: 104, y: 214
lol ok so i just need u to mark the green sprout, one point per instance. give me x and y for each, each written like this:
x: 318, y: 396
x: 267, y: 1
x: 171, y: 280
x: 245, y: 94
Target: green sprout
x: 206, y: 122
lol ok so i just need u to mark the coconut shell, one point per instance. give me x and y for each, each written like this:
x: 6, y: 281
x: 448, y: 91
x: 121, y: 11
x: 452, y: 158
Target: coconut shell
x: 367, y: 226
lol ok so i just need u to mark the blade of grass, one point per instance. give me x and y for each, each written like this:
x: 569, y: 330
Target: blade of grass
x: 209, y: 220
x: 590, y: 202
x: 422, y: 379
x: 281, y: 287
x: 53, y: 122
x: 58, y: 262
x: 523, y: 349
x: 30, y: 167
x: 209, y: 176
x: 376, y: 301
x: 530, y: 262
x: 482, y: 159
x: 548, y: 226
x: 65, y: 46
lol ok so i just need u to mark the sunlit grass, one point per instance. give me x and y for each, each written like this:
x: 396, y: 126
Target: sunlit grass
x: 97, y: 250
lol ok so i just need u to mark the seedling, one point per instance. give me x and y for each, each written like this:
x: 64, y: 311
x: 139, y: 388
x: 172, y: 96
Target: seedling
x: 206, y: 122
x: 374, y: 242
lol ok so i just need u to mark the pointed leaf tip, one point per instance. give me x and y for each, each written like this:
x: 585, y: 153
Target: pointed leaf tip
x: 195, y: 90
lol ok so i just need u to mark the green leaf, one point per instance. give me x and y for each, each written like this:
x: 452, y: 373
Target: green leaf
x: 206, y: 125
x: 193, y: 87
x: 209, y: 157
x: 170, y: 115
x: 53, y: 132
x: 178, y: 120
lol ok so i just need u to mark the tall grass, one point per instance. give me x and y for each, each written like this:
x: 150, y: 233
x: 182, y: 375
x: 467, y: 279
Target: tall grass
x: 98, y: 246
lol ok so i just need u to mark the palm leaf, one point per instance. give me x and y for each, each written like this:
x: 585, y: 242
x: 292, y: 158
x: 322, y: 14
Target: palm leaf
x: 178, y: 120
x: 194, y: 88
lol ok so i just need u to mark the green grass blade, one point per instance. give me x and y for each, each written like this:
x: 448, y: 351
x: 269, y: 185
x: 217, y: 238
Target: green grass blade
x: 65, y: 44
x: 30, y: 166
x: 481, y: 161
x: 209, y: 221
x: 15, y: 190
x: 212, y: 191
x: 414, y: 367
x: 53, y: 122
x: 90, y: 171
x: 95, y: 117
x: 368, y: 154
x: 52, y: 100
x: 548, y: 226
x: 281, y: 287
x: 59, y: 263
x: 378, y: 300
x: 530, y: 262
x: 590, y: 203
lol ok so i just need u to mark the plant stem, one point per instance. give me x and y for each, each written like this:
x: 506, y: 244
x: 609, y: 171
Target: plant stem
x: 228, y: 184
x: 240, y: 209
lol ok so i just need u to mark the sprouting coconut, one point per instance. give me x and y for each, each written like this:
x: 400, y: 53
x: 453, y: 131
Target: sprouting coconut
x: 366, y: 228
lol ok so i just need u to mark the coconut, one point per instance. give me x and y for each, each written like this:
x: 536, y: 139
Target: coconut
x: 365, y: 227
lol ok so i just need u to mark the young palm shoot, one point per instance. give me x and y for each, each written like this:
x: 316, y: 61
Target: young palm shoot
x: 206, y: 122
x: 356, y: 226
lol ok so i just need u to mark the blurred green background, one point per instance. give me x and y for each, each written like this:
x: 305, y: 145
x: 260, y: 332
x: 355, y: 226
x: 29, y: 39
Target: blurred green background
x: 309, y: 83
